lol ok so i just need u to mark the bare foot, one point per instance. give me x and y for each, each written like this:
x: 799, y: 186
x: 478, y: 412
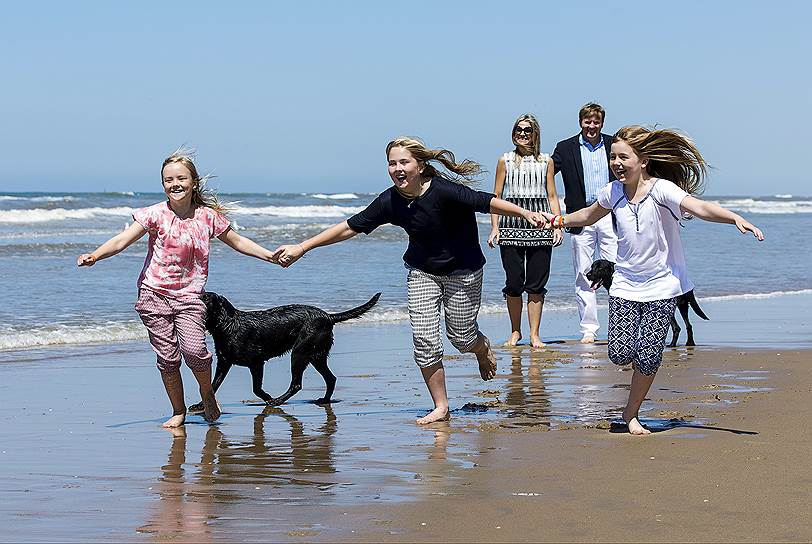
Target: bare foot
x: 175, y: 421
x: 588, y: 339
x: 515, y: 336
x: 634, y: 425
x: 486, y: 359
x: 211, y: 408
x: 536, y: 342
x: 438, y: 414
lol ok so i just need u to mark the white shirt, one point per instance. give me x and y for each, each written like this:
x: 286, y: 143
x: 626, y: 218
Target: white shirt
x: 596, y: 168
x: 650, y: 260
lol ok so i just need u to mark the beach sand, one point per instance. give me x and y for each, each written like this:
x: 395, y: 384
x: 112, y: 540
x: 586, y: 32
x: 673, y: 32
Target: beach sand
x: 529, y: 456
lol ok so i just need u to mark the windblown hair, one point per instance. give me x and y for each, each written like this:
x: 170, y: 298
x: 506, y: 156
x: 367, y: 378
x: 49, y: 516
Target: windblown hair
x: 671, y: 155
x: 589, y: 109
x: 464, y: 172
x: 534, y: 149
x: 201, y: 195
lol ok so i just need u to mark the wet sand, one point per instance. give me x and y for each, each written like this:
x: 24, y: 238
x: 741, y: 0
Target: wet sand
x: 529, y: 456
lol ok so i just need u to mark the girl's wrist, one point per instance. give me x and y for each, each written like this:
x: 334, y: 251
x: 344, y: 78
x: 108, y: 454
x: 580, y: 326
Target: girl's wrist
x: 302, y: 248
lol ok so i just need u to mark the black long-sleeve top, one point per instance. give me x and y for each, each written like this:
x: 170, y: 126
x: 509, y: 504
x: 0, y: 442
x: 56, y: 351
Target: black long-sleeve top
x: 441, y: 224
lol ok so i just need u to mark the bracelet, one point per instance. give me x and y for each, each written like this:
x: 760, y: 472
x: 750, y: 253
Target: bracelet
x: 302, y: 248
x: 557, y: 222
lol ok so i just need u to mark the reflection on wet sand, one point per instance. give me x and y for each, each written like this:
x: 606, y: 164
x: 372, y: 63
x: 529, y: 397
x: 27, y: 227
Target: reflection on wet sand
x: 193, y: 496
x: 528, y: 404
x: 279, y: 459
x: 186, y: 502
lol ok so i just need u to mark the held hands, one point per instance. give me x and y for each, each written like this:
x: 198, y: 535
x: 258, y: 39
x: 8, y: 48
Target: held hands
x: 548, y: 218
x: 745, y: 226
x: 86, y: 259
x: 535, y: 218
x: 286, y: 255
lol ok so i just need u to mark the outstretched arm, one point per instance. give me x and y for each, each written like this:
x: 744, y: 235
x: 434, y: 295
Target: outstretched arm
x: 246, y: 246
x: 114, y: 245
x: 717, y: 214
x: 503, y: 207
x: 289, y: 254
x: 581, y: 218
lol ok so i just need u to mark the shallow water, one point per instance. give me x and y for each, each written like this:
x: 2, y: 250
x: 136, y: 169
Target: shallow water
x: 49, y: 301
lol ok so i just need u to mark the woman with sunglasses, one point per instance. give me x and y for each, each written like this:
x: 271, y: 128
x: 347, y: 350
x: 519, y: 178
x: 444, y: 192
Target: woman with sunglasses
x: 525, y: 177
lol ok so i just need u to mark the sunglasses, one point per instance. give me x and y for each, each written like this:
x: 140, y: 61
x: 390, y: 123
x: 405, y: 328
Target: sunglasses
x: 523, y: 130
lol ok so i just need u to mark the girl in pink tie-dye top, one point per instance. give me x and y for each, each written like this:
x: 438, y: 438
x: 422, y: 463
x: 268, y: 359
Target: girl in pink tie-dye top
x: 174, y: 274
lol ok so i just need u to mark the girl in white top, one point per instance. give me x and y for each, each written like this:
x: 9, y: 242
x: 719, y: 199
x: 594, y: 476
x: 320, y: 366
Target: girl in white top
x: 657, y: 173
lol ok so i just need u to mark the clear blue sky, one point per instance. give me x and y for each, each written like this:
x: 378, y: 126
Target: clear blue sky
x: 304, y: 96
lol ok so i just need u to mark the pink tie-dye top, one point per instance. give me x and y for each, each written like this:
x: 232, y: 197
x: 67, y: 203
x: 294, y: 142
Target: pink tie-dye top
x: 177, y: 263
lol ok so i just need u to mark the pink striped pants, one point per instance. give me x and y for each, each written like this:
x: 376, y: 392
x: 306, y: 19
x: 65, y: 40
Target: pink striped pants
x: 176, y: 326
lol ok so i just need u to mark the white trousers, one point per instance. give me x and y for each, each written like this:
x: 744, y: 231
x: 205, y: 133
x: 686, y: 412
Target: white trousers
x: 599, y: 238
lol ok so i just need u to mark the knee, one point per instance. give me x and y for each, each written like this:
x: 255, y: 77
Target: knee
x: 464, y: 342
x: 621, y: 354
x: 168, y: 366
x: 512, y: 290
x: 198, y: 360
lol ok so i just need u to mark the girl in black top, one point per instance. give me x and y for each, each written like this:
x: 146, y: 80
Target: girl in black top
x: 444, y: 257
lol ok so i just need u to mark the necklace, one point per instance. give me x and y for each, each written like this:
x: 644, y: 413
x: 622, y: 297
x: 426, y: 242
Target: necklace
x: 407, y: 196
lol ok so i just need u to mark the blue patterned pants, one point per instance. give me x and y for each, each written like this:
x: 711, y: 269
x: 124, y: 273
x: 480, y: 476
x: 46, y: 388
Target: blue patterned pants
x: 637, y: 332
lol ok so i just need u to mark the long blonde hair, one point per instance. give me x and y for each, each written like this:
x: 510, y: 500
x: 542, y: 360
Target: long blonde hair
x: 535, y: 138
x: 201, y: 195
x: 671, y: 155
x: 464, y: 172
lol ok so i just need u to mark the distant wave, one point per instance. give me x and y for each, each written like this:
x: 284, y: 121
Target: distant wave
x: 27, y: 337
x: 751, y: 296
x: 52, y: 335
x: 60, y: 214
x: 299, y: 211
x: 337, y: 196
x: 772, y: 207
x: 65, y: 198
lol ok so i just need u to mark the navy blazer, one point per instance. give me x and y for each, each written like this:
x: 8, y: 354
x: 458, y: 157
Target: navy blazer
x: 567, y: 160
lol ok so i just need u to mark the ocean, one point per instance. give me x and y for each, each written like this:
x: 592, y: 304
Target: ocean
x: 48, y: 302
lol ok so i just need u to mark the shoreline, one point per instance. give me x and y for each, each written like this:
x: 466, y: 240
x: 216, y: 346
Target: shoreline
x: 529, y: 456
x: 776, y: 326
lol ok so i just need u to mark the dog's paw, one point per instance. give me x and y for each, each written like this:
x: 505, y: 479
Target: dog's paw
x: 196, y: 407
x: 322, y: 400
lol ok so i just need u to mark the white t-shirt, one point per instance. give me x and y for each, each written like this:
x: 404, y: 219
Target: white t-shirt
x: 650, y: 261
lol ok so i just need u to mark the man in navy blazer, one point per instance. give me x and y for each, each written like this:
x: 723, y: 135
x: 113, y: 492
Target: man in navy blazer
x: 583, y: 161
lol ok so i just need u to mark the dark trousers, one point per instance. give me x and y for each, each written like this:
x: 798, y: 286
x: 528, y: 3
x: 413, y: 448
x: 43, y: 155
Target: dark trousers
x: 527, y: 269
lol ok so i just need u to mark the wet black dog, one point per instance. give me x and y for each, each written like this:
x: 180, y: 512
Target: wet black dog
x: 601, y: 275
x: 251, y: 338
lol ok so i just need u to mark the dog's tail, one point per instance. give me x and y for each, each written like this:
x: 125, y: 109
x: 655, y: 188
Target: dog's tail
x: 695, y: 305
x: 355, y: 312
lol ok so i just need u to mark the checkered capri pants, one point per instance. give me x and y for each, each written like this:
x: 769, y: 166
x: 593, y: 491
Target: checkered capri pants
x: 176, y: 326
x: 637, y: 332
x: 460, y: 296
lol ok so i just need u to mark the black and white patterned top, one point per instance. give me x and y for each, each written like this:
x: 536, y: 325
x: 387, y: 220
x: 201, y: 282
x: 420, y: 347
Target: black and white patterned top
x: 526, y: 186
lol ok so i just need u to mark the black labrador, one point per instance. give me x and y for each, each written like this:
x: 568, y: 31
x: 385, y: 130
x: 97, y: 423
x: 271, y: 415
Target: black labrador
x: 601, y: 275
x: 251, y: 338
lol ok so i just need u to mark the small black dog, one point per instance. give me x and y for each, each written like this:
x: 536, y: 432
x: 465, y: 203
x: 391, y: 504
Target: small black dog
x: 601, y: 274
x: 251, y: 338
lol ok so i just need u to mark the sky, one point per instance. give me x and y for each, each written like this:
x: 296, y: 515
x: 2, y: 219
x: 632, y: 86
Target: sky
x: 304, y: 96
